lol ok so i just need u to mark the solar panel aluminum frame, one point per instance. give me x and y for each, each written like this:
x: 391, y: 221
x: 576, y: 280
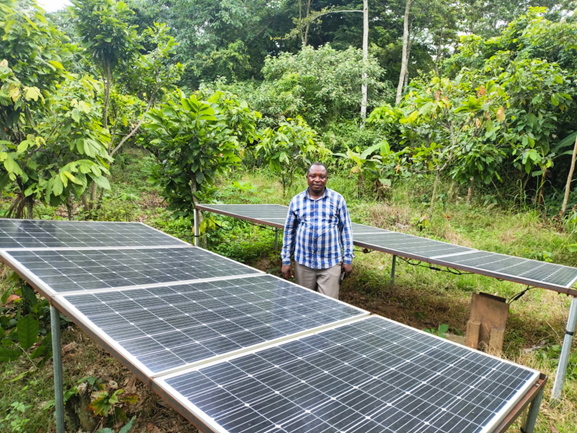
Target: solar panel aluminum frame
x: 206, y: 424
x: 145, y: 374
x: 49, y: 293
x: 177, y: 242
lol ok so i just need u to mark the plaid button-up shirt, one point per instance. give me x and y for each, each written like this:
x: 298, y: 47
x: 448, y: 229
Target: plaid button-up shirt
x: 318, y: 232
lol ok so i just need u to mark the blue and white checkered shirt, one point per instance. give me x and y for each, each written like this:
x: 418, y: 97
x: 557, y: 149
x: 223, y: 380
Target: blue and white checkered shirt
x: 318, y: 232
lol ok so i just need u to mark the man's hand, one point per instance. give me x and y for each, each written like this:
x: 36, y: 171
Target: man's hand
x: 348, y: 268
x: 286, y: 272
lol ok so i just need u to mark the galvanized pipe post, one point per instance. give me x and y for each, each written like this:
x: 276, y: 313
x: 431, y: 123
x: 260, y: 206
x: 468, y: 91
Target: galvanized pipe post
x: 531, y: 420
x: 565, y: 351
x: 393, y: 270
x: 276, y: 238
x: 57, y: 361
x: 196, y: 228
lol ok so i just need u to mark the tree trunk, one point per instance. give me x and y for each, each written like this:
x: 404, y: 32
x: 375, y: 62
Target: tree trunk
x: 435, y: 187
x: 70, y: 208
x: 470, y: 191
x: 569, y: 177
x: 405, y: 55
x: 364, y: 89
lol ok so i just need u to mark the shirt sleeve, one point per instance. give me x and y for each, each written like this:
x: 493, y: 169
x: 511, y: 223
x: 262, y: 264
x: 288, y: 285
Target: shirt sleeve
x: 346, y: 233
x: 289, y: 235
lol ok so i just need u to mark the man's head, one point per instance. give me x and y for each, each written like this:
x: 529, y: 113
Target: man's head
x: 317, y: 176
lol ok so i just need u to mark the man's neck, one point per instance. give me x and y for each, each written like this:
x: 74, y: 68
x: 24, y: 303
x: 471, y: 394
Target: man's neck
x: 317, y: 196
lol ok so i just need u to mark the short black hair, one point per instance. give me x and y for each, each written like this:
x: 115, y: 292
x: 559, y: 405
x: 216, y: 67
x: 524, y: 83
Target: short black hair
x: 318, y: 163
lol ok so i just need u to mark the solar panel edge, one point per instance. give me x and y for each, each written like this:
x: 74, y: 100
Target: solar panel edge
x: 166, y: 234
x: 97, y: 334
x: 27, y: 275
x: 192, y: 413
x: 158, y: 285
x: 502, y: 414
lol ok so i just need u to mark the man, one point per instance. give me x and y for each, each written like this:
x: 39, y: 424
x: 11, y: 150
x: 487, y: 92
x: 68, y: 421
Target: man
x: 318, y: 234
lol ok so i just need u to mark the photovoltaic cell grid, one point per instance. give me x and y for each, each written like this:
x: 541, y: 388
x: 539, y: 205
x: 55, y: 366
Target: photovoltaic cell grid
x: 67, y: 271
x: 72, y: 234
x: 408, y: 244
x: 168, y: 327
x: 370, y: 376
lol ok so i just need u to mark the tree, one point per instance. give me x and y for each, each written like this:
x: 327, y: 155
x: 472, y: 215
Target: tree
x: 289, y: 149
x: 193, y: 141
x: 51, y: 144
x: 321, y: 85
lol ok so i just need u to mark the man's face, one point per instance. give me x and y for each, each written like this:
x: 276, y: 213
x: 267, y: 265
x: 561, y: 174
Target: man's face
x: 317, y: 179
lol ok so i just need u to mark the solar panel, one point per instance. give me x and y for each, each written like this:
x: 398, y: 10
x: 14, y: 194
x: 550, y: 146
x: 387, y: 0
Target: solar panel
x: 166, y: 327
x: 249, y: 210
x: 369, y: 376
x: 401, y: 243
x: 16, y: 233
x: 520, y: 268
x: 359, y: 229
x: 91, y: 269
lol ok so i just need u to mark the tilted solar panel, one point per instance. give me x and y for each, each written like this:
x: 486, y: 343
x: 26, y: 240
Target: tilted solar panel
x: 400, y: 243
x: 369, y: 376
x: 58, y: 271
x: 16, y: 233
x: 161, y: 328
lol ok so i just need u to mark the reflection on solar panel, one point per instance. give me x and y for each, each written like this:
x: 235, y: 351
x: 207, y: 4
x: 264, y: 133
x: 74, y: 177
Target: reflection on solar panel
x: 90, y: 269
x: 251, y: 211
x: 170, y: 326
x: 58, y: 234
x: 370, y: 376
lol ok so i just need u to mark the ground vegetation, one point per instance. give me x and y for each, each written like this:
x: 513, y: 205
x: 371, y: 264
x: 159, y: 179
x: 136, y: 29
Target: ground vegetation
x: 137, y: 110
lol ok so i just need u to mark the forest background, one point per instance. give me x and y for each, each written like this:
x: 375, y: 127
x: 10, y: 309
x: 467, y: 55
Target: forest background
x: 470, y: 114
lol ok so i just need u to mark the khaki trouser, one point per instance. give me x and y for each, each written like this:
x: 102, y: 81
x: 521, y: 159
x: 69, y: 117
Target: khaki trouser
x: 326, y: 280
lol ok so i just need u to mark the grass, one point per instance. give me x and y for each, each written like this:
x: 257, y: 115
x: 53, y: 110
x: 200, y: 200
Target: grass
x: 420, y: 297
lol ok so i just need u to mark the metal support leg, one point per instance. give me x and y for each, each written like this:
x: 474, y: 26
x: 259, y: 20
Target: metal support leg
x: 276, y: 239
x: 196, y: 228
x: 57, y: 361
x: 529, y: 424
x: 393, y: 270
x: 565, y: 351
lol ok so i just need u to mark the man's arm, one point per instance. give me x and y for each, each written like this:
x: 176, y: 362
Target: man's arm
x: 288, y: 242
x: 346, y: 238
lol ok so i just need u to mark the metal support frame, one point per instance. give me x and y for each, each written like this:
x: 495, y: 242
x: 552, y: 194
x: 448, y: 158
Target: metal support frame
x: 276, y: 239
x: 565, y: 351
x: 57, y: 361
x: 393, y: 270
x: 531, y: 418
x: 196, y: 228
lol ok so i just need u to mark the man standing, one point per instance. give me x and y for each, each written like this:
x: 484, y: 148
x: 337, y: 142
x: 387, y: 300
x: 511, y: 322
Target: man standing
x: 318, y: 234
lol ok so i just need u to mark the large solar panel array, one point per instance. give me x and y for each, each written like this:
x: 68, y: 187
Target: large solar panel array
x: 238, y: 350
x: 369, y: 376
x: 525, y: 271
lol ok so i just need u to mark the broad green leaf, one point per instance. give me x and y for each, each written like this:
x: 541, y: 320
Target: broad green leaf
x: 7, y: 355
x: 32, y: 93
x: 554, y: 99
x: 75, y: 115
x: 102, y: 182
x: 56, y: 64
x: 28, y: 328
x: 57, y: 187
x: 22, y: 147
